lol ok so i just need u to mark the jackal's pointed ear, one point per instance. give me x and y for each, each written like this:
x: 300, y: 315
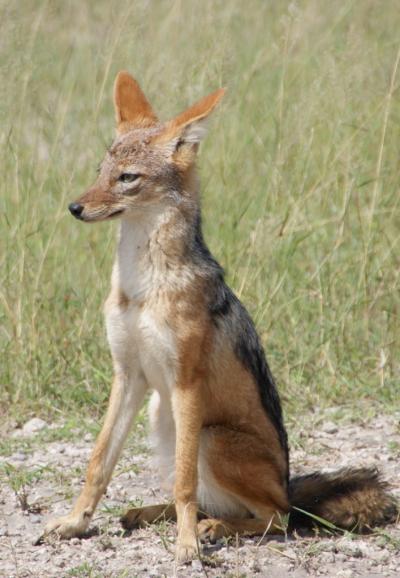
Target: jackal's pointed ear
x: 190, y: 127
x: 132, y: 109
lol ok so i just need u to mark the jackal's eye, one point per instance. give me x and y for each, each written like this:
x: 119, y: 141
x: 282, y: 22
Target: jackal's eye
x: 128, y: 177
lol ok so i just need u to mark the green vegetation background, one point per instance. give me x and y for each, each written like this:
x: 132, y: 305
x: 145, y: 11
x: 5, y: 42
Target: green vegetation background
x: 300, y: 181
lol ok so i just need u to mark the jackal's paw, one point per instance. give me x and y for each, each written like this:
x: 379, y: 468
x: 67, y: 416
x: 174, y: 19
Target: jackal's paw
x: 73, y: 525
x: 212, y: 530
x: 186, y: 551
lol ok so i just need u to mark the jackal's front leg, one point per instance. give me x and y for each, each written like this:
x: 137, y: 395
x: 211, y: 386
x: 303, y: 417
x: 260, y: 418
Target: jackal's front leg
x: 126, y: 398
x: 188, y: 421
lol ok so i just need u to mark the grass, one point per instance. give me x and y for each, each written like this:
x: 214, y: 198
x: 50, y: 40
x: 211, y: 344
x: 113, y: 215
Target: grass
x: 20, y: 480
x: 299, y: 176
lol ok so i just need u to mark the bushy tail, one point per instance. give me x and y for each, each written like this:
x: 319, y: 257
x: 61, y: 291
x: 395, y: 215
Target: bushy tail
x: 352, y: 499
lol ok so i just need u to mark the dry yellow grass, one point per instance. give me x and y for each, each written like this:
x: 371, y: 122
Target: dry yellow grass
x: 299, y: 173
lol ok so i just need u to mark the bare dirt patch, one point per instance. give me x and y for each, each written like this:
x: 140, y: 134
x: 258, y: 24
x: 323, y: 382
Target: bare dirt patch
x: 41, y: 474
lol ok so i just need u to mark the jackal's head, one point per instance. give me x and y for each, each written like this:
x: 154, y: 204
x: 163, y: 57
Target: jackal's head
x: 148, y: 163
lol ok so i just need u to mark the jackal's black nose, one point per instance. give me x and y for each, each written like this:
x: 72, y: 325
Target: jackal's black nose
x: 75, y: 209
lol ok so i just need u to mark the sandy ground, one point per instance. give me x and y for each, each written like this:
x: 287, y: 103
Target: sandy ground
x: 42, y: 472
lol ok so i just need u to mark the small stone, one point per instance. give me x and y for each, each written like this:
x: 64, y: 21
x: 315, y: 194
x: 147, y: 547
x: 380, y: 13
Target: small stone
x: 42, y: 494
x: 19, y: 457
x: 382, y: 556
x: 332, y: 410
x: 196, y: 565
x: 329, y: 427
x: 327, y: 557
x: 345, y: 573
x: 106, y: 543
x: 34, y: 425
x: 72, y: 452
x: 350, y: 548
x: 327, y: 546
x: 165, y: 570
x: 290, y: 553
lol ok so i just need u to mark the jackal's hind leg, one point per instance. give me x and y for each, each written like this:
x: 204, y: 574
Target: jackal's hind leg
x: 241, y: 468
x: 140, y: 517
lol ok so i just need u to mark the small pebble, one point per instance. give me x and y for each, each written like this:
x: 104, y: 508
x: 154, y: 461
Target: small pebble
x: 329, y: 427
x: 196, y: 565
x: 347, y: 573
x: 19, y: 457
x: 350, y: 548
x: 34, y: 425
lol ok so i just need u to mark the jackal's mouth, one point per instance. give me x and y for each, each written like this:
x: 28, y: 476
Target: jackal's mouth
x: 115, y: 213
x: 90, y: 215
x: 101, y: 216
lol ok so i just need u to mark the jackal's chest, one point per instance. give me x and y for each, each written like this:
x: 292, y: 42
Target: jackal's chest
x: 140, y: 337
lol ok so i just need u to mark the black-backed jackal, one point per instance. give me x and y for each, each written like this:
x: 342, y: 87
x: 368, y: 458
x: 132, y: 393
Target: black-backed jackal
x: 174, y: 327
